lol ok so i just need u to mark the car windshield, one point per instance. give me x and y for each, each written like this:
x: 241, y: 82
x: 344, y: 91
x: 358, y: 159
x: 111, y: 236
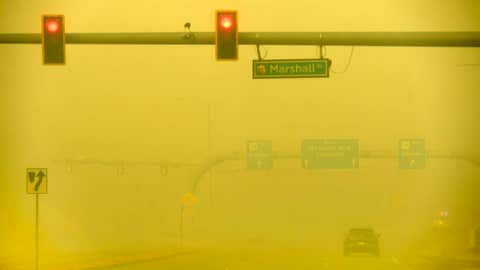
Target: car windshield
x: 230, y: 135
x: 361, y: 235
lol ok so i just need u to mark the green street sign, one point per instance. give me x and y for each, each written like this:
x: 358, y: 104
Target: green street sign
x: 259, y: 155
x: 412, y: 154
x: 291, y: 68
x: 330, y: 154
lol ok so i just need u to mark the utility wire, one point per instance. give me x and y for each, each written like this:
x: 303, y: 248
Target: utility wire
x: 257, y: 51
x: 348, y: 63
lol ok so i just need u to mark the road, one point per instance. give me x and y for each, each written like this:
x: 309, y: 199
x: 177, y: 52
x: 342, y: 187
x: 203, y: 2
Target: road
x: 298, y: 260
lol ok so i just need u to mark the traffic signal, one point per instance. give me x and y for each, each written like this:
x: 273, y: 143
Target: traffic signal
x: 226, y: 35
x: 53, y: 39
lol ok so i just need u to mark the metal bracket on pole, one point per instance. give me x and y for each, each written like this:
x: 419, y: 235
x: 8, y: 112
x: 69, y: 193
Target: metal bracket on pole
x: 258, y: 52
x: 188, y: 33
x: 258, y: 48
x: 189, y: 36
x: 320, y: 46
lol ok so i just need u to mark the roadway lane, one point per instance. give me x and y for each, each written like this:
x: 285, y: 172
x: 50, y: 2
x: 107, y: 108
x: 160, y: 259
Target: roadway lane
x: 248, y: 260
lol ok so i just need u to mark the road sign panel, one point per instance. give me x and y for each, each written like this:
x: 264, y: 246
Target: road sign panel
x: 290, y: 68
x: 37, y: 181
x: 330, y: 154
x: 259, y: 155
x: 412, y: 154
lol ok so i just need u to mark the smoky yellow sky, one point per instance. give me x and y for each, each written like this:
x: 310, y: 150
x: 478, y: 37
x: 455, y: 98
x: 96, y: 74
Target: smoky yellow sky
x: 151, y: 103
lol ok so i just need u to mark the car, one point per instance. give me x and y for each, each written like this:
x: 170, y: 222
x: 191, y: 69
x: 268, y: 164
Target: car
x: 361, y: 240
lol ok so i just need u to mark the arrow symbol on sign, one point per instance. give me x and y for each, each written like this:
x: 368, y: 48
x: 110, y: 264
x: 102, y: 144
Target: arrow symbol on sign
x: 40, y: 175
x: 412, y: 162
x: 31, y: 177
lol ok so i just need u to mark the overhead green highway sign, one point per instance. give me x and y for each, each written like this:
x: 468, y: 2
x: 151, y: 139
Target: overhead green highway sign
x: 411, y: 154
x: 259, y: 155
x: 330, y: 154
x: 290, y: 68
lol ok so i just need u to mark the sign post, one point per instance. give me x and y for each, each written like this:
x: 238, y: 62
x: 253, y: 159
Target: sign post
x: 37, y: 183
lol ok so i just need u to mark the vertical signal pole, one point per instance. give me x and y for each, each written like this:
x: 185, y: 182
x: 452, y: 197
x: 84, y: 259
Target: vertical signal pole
x: 37, y: 183
x: 182, y: 211
x: 209, y: 138
x: 37, y: 248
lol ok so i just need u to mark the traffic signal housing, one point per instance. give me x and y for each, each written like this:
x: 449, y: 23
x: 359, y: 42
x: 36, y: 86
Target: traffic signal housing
x: 53, y: 39
x: 226, y: 35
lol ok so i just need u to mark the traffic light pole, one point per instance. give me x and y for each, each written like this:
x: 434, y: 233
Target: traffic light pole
x: 401, y: 39
x: 37, y: 246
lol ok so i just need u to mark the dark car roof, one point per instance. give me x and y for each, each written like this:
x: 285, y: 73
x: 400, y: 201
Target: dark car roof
x: 361, y: 230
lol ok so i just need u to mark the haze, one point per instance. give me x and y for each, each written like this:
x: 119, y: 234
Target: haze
x: 104, y: 122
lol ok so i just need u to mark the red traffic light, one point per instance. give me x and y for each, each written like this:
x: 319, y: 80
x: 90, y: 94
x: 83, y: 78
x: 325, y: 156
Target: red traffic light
x: 53, y: 39
x: 52, y: 26
x: 226, y: 35
x: 226, y: 21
